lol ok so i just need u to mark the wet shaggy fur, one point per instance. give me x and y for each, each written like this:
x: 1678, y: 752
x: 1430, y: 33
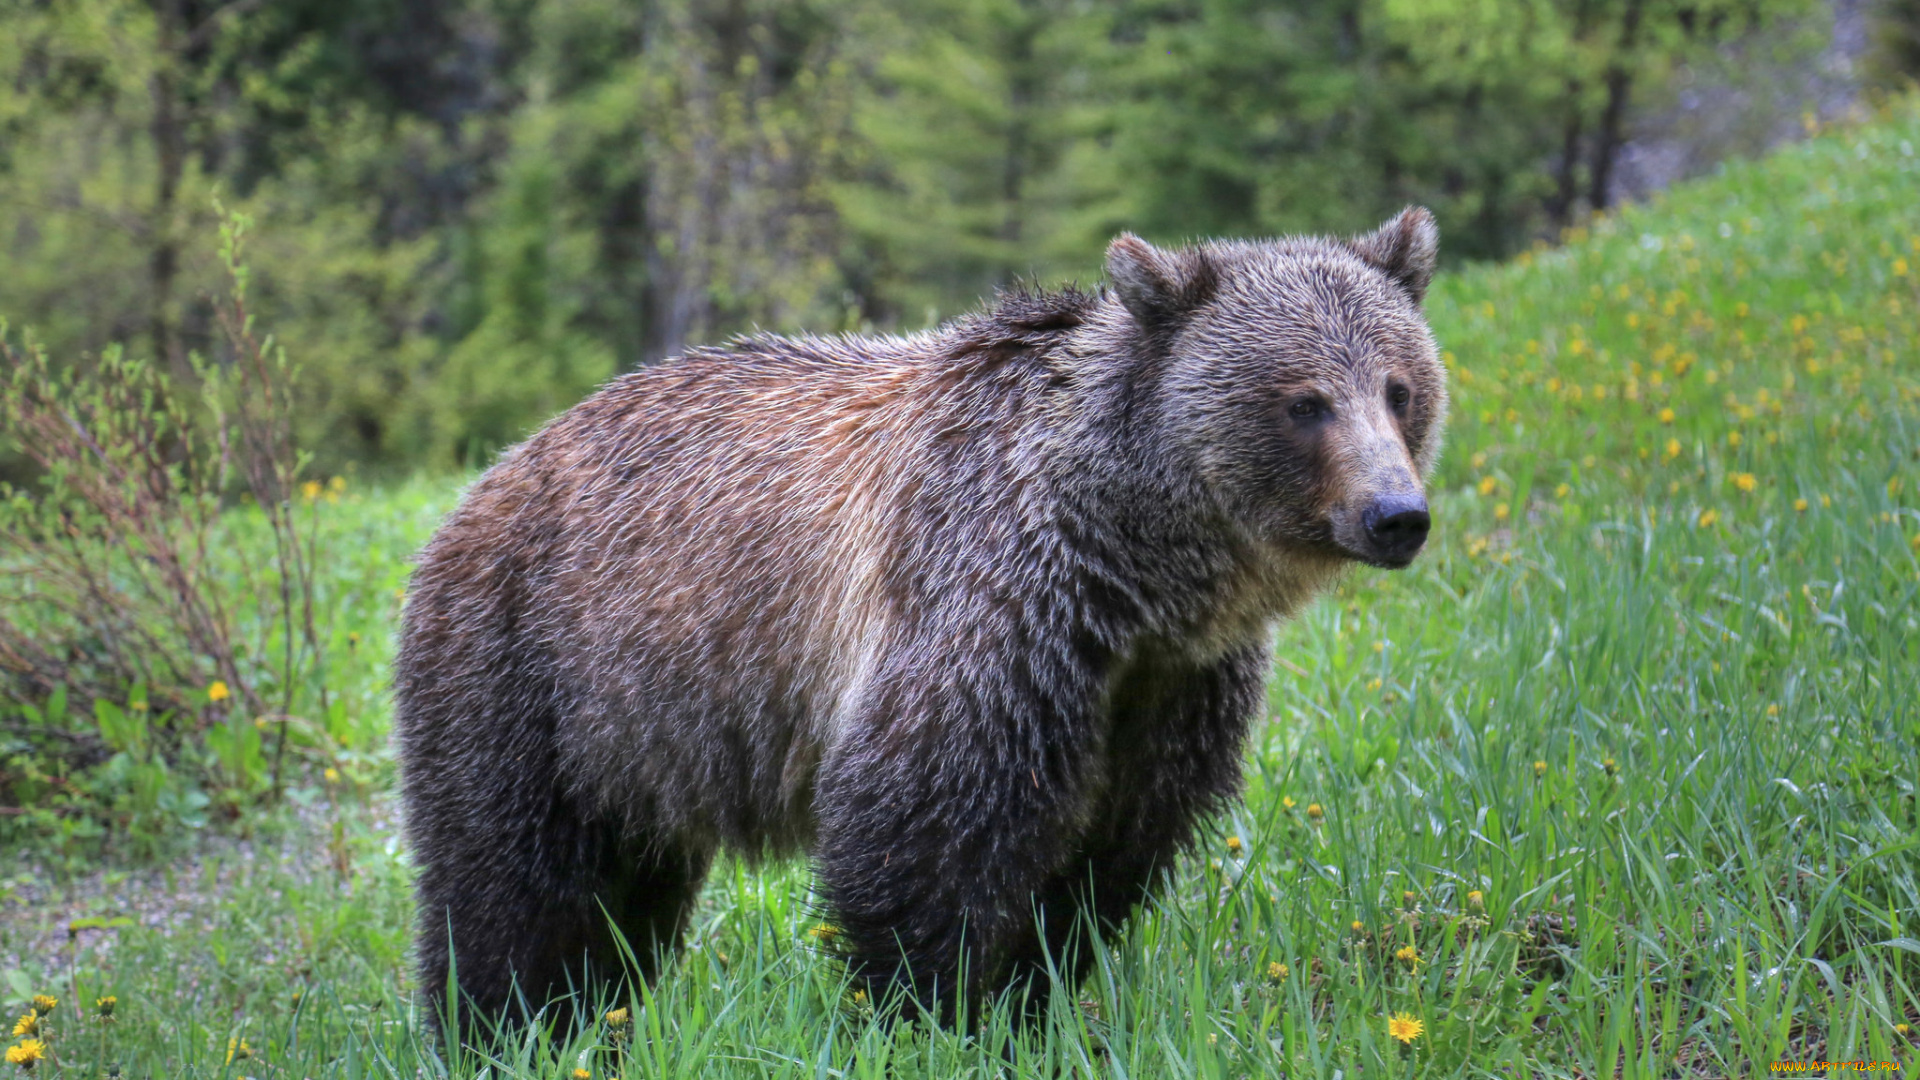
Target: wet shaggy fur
x: 978, y: 617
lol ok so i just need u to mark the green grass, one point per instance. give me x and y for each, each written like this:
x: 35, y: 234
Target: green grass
x: 1628, y: 759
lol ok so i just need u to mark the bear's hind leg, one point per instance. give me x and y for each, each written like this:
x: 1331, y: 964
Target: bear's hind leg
x: 647, y: 896
x: 529, y: 915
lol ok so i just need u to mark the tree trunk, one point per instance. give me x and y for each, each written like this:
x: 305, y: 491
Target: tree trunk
x: 1021, y: 91
x: 169, y: 140
x: 1566, y: 180
x: 1606, y: 147
x: 682, y: 162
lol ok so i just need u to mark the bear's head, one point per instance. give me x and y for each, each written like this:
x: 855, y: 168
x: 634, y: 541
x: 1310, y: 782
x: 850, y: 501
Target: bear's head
x: 1300, y: 379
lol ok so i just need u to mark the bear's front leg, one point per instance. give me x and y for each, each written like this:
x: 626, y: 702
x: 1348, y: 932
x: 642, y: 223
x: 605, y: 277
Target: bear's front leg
x: 952, y: 797
x: 1176, y: 739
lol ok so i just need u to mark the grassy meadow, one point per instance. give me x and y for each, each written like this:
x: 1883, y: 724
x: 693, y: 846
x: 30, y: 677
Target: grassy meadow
x: 1618, y: 780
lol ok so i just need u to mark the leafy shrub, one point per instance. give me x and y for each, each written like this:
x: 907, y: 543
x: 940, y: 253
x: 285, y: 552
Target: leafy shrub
x: 157, y: 616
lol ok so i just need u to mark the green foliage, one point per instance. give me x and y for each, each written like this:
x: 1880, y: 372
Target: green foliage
x: 1895, y: 59
x: 473, y: 211
x: 980, y: 160
x: 1625, y: 760
x: 193, y: 634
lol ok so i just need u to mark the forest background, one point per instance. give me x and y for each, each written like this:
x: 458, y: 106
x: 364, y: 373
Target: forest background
x: 1610, y: 784
x: 470, y: 212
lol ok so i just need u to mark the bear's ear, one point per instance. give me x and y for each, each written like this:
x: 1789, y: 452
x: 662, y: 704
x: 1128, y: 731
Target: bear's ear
x: 1158, y: 287
x: 1404, y: 249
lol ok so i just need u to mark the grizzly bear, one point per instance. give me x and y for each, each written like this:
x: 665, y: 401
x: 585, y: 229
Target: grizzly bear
x: 978, y: 617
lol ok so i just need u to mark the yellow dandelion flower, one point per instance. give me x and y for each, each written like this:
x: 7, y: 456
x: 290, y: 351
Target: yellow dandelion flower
x: 1277, y: 971
x: 1405, y: 1027
x: 28, y: 1024
x: 238, y: 1050
x: 43, y: 1004
x: 1610, y: 766
x: 1373, y: 684
x: 1287, y: 803
x: 1800, y: 505
x: 1357, y: 926
x: 1673, y: 449
x: 1407, y: 954
x: 1733, y: 438
x: 1539, y: 768
x: 1773, y: 710
x: 1234, y: 845
x: 1315, y: 812
x: 310, y: 490
x: 27, y: 1053
x: 1487, y: 484
x: 824, y: 932
x: 1826, y: 502
x: 1476, y: 899
x: 105, y: 1006
x: 1666, y: 416
x: 1407, y: 898
x: 582, y: 1074
x: 1899, y: 268
x: 1562, y: 491
x: 1902, y: 1029
x: 217, y: 691
x: 353, y: 639
x: 1745, y: 481
x: 619, y: 1018
x: 332, y: 775
x: 337, y: 485
x: 1707, y: 518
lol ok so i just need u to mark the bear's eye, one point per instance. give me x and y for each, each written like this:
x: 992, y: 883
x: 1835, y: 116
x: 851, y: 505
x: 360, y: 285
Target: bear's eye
x: 1306, y: 408
x: 1398, y: 396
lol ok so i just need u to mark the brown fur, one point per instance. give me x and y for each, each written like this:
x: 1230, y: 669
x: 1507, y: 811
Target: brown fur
x: 978, y: 617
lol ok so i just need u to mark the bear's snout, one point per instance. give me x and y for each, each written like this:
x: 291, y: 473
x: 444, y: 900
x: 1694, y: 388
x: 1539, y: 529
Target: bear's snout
x: 1396, y: 528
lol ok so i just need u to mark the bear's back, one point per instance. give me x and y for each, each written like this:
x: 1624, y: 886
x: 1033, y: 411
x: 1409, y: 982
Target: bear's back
x: 731, y: 536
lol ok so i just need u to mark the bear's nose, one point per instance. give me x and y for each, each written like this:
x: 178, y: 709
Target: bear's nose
x: 1397, y: 526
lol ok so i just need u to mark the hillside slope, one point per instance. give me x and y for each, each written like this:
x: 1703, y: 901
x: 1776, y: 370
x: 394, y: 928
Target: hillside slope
x: 1618, y: 780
